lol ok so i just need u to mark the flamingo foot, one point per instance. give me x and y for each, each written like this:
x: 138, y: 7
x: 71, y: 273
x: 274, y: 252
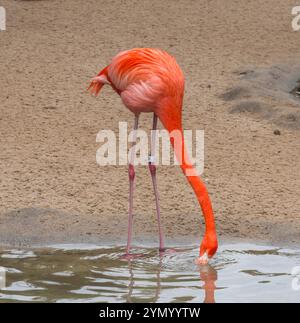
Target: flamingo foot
x: 203, y: 260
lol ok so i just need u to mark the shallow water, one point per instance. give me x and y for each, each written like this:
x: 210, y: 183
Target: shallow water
x: 239, y: 273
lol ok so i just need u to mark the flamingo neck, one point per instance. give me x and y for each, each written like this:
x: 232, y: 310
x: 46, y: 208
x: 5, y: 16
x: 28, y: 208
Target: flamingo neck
x: 171, y: 120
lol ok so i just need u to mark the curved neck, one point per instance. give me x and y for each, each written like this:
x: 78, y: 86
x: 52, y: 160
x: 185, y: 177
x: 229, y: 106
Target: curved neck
x: 171, y: 120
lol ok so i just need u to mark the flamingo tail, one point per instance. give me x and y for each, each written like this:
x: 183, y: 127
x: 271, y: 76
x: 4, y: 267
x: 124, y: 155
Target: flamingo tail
x: 98, y: 82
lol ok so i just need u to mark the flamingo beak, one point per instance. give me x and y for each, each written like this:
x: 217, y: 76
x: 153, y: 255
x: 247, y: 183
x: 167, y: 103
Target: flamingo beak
x: 203, y: 260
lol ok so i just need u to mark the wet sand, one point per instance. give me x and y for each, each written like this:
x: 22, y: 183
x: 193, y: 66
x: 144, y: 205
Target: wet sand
x: 239, y: 64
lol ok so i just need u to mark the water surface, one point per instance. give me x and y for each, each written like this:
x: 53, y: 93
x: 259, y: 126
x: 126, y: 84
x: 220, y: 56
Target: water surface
x: 239, y: 273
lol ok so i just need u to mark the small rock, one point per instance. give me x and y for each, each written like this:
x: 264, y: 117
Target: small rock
x: 277, y: 132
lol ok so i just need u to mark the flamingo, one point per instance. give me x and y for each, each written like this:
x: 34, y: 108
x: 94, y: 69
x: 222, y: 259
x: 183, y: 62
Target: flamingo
x: 150, y: 80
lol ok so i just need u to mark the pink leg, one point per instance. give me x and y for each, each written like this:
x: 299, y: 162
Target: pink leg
x: 152, y: 169
x: 131, y: 174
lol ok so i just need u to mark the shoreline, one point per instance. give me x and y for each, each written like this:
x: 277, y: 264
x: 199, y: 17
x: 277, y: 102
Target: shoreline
x: 34, y: 227
x: 147, y: 244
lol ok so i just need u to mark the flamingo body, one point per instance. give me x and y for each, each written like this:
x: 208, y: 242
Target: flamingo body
x: 143, y: 77
x: 150, y: 80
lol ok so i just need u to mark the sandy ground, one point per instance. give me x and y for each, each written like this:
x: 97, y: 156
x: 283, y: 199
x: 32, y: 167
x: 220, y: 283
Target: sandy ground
x: 239, y: 64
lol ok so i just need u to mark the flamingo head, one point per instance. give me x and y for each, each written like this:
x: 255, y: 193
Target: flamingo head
x: 208, y: 248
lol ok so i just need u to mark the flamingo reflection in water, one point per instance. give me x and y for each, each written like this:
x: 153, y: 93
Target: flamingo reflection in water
x: 207, y: 274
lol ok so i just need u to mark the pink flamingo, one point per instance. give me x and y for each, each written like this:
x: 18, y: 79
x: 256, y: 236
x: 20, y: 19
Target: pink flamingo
x: 150, y: 80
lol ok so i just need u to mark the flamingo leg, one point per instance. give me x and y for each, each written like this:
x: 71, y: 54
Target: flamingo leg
x: 131, y: 175
x: 152, y: 169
